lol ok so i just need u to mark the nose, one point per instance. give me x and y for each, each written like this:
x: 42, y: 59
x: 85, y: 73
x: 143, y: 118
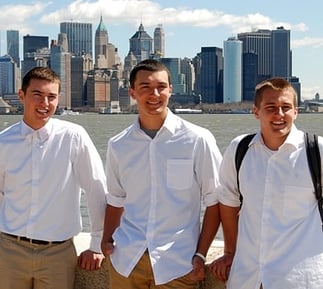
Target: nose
x: 280, y: 110
x: 45, y: 100
x: 155, y: 91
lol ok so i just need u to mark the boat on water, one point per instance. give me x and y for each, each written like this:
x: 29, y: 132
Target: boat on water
x: 187, y: 110
x: 67, y: 112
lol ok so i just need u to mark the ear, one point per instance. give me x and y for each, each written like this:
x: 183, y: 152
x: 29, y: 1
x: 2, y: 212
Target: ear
x: 21, y: 96
x: 256, y: 112
x: 295, y: 113
x: 132, y: 93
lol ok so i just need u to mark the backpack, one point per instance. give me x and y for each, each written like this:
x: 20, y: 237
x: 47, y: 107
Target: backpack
x: 313, y: 159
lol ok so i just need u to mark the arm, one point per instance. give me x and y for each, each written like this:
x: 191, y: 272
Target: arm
x: 92, y: 180
x: 210, y: 226
x: 111, y: 222
x: 229, y: 218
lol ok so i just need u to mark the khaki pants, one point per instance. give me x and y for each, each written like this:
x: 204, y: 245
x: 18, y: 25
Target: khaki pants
x: 142, y: 277
x: 29, y: 266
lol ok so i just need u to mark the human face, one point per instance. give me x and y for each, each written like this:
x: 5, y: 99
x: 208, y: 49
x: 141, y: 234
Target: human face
x: 151, y: 91
x: 40, y: 102
x: 276, y: 113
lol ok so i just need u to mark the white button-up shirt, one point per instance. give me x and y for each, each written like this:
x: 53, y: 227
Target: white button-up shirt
x: 160, y: 182
x: 280, y: 239
x: 42, y: 173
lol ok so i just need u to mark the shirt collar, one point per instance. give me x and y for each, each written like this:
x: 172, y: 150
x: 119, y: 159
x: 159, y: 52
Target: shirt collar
x: 295, y: 138
x: 169, y: 123
x: 42, y: 133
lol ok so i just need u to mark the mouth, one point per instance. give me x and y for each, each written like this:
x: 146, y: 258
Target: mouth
x: 155, y: 103
x: 278, y: 124
x: 42, y: 111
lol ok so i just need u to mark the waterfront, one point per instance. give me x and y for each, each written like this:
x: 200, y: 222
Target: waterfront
x: 224, y: 127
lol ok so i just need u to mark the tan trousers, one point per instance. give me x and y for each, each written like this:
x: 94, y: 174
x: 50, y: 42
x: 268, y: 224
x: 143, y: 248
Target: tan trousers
x: 142, y: 277
x: 29, y: 266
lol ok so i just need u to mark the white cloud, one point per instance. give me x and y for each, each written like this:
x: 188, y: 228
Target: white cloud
x: 151, y: 13
x: 316, y: 42
x: 18, y: 15
x: 308, y: 93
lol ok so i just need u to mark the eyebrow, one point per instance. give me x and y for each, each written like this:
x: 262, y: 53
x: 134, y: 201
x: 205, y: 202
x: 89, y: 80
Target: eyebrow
x: 42, y: 92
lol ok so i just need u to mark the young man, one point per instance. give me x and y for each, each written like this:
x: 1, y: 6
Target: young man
x: 44, y: 165
x: 158, y: 170
x: 280, y: 239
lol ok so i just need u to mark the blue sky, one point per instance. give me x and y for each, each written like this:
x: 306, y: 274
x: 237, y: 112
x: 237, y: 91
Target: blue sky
x: 188, y: 25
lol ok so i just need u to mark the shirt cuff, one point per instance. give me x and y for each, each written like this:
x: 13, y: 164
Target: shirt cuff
x: 95, y: 243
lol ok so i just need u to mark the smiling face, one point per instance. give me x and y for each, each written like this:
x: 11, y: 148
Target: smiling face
x: 276, y: 112
x: 152, y: 91
x: 40, y: 100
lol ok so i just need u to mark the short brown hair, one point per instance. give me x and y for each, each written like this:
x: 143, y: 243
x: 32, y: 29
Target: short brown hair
x: 43, y: 73
x: 148, y: 65
x: 276, y: 83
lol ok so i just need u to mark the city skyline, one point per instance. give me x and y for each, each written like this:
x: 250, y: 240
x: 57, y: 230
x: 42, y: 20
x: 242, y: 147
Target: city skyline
x: 207, y: 23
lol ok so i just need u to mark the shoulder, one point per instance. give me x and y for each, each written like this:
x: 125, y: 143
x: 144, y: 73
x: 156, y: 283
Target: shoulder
x: 193, y: 129
x: 11, y: 131
x: 63, y: 128
x: 122, y: 135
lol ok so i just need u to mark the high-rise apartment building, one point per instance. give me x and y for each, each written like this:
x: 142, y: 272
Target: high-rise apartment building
x: 13, y: 45
x: 79, y: 37
x: 232, y: 78
x: 211, y: 78
x: 159, y: 41
x: 141, y: 44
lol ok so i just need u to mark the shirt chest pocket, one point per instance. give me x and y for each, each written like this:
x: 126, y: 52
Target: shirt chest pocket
x: 179, y: 173
x: 298, y: 202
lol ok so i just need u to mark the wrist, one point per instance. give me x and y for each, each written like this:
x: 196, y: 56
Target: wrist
x: 201, y: 256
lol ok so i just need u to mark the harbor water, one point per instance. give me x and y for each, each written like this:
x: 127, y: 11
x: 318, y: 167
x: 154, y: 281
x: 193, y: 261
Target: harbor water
x: 224, y: 127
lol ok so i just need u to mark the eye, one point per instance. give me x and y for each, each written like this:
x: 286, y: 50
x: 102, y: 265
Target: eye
x: 270, y: 108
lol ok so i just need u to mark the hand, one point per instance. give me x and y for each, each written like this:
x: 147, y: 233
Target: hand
x: 221, y: 267
x: 107, y: 248
x: 89, y: 260
x: 198, y: 272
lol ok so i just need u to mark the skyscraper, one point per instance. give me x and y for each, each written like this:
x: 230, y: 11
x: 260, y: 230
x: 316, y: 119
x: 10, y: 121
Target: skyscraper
x: 60, y: 61
x: 13, y: 45
x: 259, y: 43
x: 36, y: 52
x: 271, y: 56
x: 7, y: 75
x: 141, y: 44
x: 281, y: 53
x: 79, y: 37
x: 211, y: 75
x: 177, y: 78
x: 159, y: 41
x: 232, y: 78
x: 106, y: 54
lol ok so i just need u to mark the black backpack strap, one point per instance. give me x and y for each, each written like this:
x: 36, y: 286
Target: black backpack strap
x: 242, y: 148
x: 314, y: 163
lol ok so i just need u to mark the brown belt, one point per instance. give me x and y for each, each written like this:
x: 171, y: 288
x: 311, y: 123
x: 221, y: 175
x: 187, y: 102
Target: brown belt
x: 33, y: 241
